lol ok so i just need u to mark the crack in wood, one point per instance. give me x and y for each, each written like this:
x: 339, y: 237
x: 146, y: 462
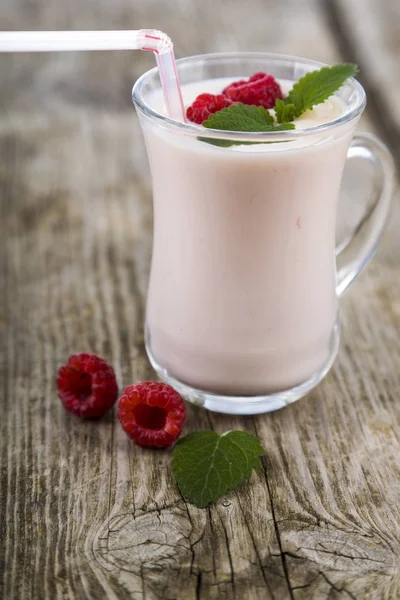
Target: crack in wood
x: 275, y: 522
x: 261, y: 566
x: 337, y: 589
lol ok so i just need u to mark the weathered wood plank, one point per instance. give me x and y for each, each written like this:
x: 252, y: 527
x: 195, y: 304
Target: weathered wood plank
x: 113, y: 493
x: 85, y: 514
x: 368, y: 33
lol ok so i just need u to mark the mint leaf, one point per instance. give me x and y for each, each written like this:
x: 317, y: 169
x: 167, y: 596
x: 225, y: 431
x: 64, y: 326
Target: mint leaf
x: 284, y: 112
x: 316, y: 87
x: 242, y: 117
x: 206, y: 465
x: 227, y: 143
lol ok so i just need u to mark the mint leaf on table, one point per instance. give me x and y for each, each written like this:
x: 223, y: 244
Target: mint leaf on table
x: 284, y: 112
x: 206, y: 465
x: 316, y: 87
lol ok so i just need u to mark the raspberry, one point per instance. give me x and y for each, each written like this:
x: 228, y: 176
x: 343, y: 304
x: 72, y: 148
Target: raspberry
x: 205, y: 105
x: 260, y: 90
x: 87, y: 386
x: 151, y: 413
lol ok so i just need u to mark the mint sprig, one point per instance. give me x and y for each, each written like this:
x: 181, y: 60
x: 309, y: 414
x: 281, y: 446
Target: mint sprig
x: 312, y: 89
x: 284, y: 112
x: 317, y: 86
x: 206, y: 465
x: 242, y: 117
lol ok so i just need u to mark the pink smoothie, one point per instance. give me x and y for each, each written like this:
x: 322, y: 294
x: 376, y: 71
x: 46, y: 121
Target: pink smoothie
x: 242, y: 293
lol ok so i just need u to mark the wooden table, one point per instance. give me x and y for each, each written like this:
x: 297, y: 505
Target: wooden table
x: 85, y: 513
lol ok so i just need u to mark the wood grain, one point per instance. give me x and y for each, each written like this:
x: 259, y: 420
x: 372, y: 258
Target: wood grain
x: 84, y: 513
x: 369, y: 34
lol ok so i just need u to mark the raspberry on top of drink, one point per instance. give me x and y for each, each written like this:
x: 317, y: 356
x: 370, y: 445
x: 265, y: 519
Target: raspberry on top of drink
x: 260, y: 89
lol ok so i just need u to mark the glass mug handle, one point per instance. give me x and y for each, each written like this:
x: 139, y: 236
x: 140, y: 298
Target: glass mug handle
x: 354, y: 253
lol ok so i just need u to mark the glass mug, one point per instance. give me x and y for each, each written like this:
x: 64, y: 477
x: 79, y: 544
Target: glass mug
x: 242, y: 306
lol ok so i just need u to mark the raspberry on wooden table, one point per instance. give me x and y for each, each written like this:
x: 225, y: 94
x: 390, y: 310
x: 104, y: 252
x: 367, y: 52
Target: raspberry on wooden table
x: 152, y: 413
x: 87, y: 385
x: 260, y: 90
